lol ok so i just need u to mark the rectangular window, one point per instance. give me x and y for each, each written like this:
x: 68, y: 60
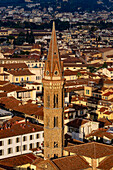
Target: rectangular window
x: 30, y: 146
x: 17, y: 140
x: 24, y: 138
x: 22, y: 79
x: 9, y: 150
x: 37, y: 144
x: 37, y: 136
x: 24, y: 147
x: 9, y: 141
x: 17, y: 149
x: 31, y: 137
x: 16, y: 79
x: 38, y: 78
x: 38, y: 88
x: 55, y: 121
x: 87, y: 91
x: 1, y: 152
x: 1, y: 143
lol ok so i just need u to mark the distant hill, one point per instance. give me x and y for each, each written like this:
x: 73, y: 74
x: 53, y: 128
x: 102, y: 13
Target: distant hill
x: 12, y: 2
x: 70, y: 6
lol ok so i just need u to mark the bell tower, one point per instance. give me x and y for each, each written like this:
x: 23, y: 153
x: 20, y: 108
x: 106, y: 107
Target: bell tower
x: 53, y: 83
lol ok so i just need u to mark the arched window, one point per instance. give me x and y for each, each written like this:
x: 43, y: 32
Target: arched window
x: 55, y: 100
x: 55, y: 121
x: 47, y: 121
x: 48, y: 101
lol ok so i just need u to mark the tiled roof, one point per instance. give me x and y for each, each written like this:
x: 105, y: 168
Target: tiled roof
x: 108, y: 94
x: 9, y: 102
x: 30, y: 109
x: 11, y: 87
x: 36, y: 46
x: 19, y: 129
x: 3, y: 82
x: 14, y: 65
x: 106, y: 164
x: 102, y: 109
x: 76, y: 123
x: 74, y: 89
x: 101, y: 133
x: 92, y: 150
x: 110, y: 69
x: 105, y: 49
x: 46, y: 163
x: 71, y: 163
x: 108, y: 82
x: 19, y: 160
x: 108, y: 112
x: 14, y: 120
x: 24, y: 72
x: 105, y: 121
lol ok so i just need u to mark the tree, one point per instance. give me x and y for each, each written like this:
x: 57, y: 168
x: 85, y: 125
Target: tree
x: 27, y: 36
x: 20, y: 39
x: 30, y: 37
x: 104, y: 65
x: 99, y: 38
x: 78, y: 75
x: 92, y: 69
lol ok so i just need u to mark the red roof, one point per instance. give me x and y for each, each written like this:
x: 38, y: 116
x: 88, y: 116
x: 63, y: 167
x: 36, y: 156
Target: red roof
x: 19, y: 160
x: 92, y: 150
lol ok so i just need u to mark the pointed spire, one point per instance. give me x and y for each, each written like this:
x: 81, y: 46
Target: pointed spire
x: 53, y: 64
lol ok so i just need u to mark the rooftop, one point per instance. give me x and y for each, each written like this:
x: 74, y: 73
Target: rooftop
x: 92, y: 150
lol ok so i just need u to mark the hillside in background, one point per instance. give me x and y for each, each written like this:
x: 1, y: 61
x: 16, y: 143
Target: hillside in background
x: 70, y: 6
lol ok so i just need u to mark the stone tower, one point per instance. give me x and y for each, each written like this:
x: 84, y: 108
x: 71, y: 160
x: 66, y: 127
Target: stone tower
x: 53, y: 84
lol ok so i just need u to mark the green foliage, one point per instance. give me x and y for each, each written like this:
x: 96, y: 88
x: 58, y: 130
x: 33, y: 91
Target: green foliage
x: 94, y: 70
x: 24, y: 53
x: 79, y: 74
x: 10, y: 37
x: 20, y: 39
x: 30, y: 37
x: 2, y: 40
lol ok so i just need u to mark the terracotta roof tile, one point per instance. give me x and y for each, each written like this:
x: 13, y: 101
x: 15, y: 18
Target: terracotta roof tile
x: 76, y: 123
x: 24, y: 72
x: 105, y: 121
x: 101, y: 133
x: 92, y: 150
x: 106, y: 164
x: 18, y: 129
x: 14, y: 120
x: 102, y: 109
x: 33, y: 109
x: 71, y: 163
x: 4, y: 82
x: 14, y: 65
x: 9, y: 102
x: 19, y: 160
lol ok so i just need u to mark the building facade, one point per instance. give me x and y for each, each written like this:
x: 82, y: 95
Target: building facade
x: 20, y: 139
x: 53, y: 84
